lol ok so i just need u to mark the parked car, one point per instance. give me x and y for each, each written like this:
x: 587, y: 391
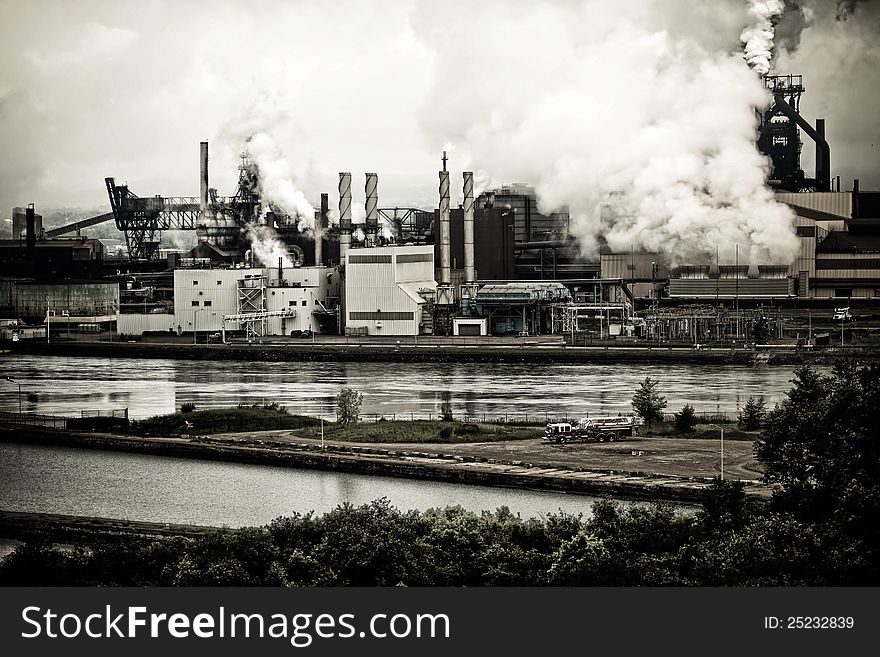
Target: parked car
x: 307, y: 333
x: 842, y: 315
x: 215, y: 337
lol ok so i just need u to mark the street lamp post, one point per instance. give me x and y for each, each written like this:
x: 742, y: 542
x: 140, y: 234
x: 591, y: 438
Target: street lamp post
x: 11, y: 380
x: 721, y: 429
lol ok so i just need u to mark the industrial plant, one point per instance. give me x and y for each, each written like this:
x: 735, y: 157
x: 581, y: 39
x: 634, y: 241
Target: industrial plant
x: 495, y: 266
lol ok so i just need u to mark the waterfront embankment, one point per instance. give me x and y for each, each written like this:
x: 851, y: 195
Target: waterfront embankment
x: 478, y: 464
x: 425, y: 351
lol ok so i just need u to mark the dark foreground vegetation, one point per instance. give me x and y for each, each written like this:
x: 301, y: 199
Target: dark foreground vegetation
x: 820, y: 446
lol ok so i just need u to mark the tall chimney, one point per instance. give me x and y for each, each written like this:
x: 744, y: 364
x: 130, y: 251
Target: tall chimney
x: 372, y: 208
x: 319, y: 230
x: 444, y: 228
x: 469, y: 275
x: 280, y: 267
x: 31, y: 237
x: 823, y: 155
x: 203, y: 176
x: 344, y: 215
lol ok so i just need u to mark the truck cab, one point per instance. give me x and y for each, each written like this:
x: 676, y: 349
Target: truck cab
x: 558, y: 432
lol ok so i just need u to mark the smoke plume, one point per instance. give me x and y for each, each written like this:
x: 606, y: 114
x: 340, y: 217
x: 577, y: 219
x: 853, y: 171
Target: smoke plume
x: 266, y: 246
x: 276, y: 181
x: 644, y: 131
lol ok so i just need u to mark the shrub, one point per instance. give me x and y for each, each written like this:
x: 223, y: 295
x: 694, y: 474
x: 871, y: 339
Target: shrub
x: 685, y: 419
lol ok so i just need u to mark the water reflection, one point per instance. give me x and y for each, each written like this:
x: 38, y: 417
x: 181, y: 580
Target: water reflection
x: 149, y: 387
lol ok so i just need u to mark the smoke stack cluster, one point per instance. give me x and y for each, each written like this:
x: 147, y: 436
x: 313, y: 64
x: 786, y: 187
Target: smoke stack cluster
x: 444, y: 228
x: 203, y: 176
x: 469, y: 274
x: 319, y: 230
x: 344, y: 215
x: 372, y: 207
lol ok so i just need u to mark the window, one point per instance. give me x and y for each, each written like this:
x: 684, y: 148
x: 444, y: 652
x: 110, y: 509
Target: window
x: 196, y: 302
x: 291, y: 303
x: 195, y: 282
x: 219, y: 282
x: 207, y: 302
x: 305, y: 302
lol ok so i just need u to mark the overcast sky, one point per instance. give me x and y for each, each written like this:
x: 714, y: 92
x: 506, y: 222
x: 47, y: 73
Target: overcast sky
x: 119, y: 88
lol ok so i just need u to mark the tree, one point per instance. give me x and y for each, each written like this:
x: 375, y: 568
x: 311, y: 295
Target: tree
x: 685, y: 419
x: 647, y: 402
x: 821, y: 445
x: 753, y: 413
x: 348, y: 406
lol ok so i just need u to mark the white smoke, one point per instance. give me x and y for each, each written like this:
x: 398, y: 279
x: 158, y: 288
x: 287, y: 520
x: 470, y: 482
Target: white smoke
x: 276, y: 180
x: 266, y: 246
x: 603, y: 104
x: 757, y: 38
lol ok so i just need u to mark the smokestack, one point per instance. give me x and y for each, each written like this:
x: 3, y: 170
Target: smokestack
x: 344, y: 215
x: 319, y: 230
x: 280, y: 268
x: 444, y: 228
x: 823, y: 155
x: 203, y: 176
x: 31, y: 239
x: 372, y: 208
x: 469, y: 275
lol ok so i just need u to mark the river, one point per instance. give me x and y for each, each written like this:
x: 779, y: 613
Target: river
x: 151, y: 488
x: 68, y: 386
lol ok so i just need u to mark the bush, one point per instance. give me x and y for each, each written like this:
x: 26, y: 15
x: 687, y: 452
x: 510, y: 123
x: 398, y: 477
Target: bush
x: 188, y: 407
x: 685, y: 419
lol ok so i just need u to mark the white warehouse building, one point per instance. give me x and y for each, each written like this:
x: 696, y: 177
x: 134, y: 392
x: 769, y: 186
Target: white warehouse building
x: 202, y: 297
x: 384, y: 288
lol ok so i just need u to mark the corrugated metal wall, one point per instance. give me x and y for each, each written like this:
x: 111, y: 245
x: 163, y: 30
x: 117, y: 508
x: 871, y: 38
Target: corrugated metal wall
x: 372, y: 288
x: 838, y: 203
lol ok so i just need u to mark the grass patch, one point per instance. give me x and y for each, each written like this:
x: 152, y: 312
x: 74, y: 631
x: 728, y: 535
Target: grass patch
x: 704, y: 431
x: 222, y: 420
x: 422, y: 431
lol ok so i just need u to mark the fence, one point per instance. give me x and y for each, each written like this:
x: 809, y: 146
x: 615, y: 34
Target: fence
x: 114, y: 419
x: 34, y: 420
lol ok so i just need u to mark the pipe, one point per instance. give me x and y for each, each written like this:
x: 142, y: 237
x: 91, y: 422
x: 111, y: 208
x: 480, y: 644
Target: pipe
x: 469, y: 273
x: 546, y: 244
x: 344, y: 215
x: 319, y: 231
x: 444, y: 228
x: 31, y: 228
x: 823, y: 167
x: 372, y: 209
x: 203, y: 176
x: 821, y: 144
x: 280, y: 268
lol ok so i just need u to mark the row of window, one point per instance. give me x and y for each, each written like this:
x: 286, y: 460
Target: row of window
x: 219, y: 283
x: 379, y: 315
x: 305, y: 302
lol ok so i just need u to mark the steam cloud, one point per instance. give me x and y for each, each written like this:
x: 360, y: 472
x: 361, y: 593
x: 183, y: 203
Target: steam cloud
x: 645, y: 131
x: 758, y: 38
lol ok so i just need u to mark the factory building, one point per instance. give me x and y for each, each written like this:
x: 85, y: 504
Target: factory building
x: 529, y: 224
x: 69, y: 301
x: 387, y: 290
x: 277, y: 301
x: 493, y: 244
